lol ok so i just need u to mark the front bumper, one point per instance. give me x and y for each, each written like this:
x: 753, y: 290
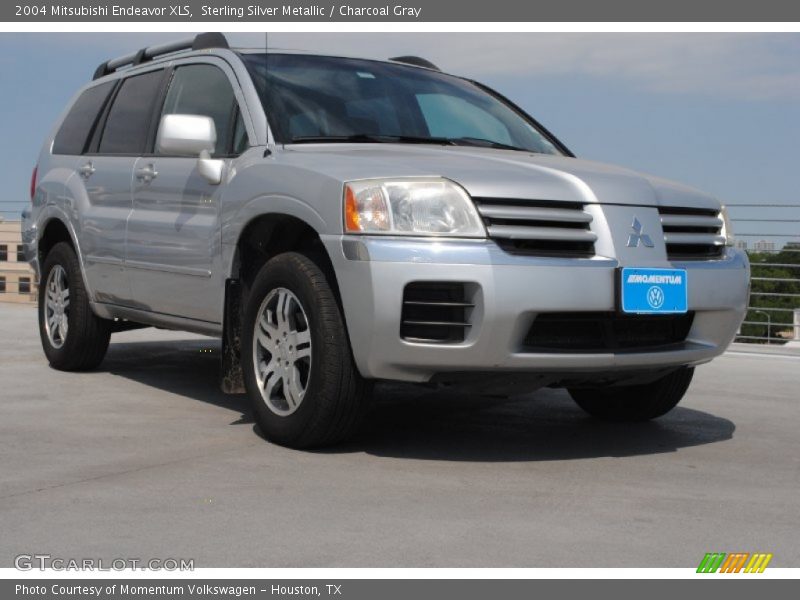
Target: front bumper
x: 373, y: 272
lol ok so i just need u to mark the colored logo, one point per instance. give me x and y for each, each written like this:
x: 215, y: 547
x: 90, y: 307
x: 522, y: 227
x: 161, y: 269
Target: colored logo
x: 737, y: 562
x: 655, y: 297
x: 637, y: 236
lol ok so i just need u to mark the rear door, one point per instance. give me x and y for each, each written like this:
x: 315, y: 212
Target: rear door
x: 100, y: 215
x: 107, y: 174
x: 173, y: 250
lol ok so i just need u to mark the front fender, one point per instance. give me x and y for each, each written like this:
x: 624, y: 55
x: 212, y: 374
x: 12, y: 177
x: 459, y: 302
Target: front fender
x: 234, y: 224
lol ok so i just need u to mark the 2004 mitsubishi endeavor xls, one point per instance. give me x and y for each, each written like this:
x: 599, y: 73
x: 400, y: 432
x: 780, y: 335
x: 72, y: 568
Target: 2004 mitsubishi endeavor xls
x: 340, y: 221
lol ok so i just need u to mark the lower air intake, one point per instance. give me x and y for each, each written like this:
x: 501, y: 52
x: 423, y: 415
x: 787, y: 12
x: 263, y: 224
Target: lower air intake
x: 435, y: 312
x: 605, y: 331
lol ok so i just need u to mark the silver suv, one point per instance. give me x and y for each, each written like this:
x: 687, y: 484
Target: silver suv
x: 339, y: 221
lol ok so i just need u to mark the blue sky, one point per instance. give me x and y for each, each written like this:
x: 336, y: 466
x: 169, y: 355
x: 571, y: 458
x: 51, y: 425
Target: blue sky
x: 720, y: 112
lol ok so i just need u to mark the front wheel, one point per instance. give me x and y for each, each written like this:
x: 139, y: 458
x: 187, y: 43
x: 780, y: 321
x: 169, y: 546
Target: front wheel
x: 298, y: 368
x: 635, y: 402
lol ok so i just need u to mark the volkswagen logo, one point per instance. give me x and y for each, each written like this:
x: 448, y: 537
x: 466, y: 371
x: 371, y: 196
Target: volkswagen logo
x: 655, y: 297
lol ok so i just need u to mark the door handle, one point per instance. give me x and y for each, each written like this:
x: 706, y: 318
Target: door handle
x: 147, y: 174
x: 86, y: 170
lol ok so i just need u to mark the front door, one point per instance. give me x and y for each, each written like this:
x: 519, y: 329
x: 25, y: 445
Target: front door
x: 173, y: 239
x: 173, y: 251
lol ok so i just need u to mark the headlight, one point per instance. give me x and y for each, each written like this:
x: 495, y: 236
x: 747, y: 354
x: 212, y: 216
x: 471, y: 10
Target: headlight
x: 420, y: 206
x: 727, y: 230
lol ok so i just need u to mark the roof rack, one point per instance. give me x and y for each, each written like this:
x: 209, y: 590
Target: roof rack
x: 417, y: 61
x: 201, y: 41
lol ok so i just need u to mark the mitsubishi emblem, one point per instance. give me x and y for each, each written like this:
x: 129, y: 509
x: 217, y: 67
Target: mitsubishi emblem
x: 637, y: 236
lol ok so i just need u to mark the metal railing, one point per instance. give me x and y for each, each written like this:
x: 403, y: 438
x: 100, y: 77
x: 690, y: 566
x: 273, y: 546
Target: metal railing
x: 773, y: 243
x: 16, y: 286
x: 773, y: 315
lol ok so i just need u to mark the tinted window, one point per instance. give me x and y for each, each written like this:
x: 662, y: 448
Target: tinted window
x: 128, y: 120
x: 319, y: 98
x: 453, y: 117
x: 24, y: 285
x: 240, y: 140
x: 204, y: 90
x: 78, y: 124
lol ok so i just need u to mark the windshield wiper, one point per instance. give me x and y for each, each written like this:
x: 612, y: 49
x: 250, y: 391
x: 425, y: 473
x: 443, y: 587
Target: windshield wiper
x: 369, y: 138
x: 484, y: 143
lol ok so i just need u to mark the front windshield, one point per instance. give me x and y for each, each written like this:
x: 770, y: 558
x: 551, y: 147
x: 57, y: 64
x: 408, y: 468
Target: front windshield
x: 328, y: 99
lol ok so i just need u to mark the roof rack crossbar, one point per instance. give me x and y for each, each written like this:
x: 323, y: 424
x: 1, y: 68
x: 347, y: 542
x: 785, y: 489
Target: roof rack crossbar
x: 200, y: 42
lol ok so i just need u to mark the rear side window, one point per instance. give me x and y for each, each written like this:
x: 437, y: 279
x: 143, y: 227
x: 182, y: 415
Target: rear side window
x: 128, y: 123
x: 79, y: 122
x: 205, y: 90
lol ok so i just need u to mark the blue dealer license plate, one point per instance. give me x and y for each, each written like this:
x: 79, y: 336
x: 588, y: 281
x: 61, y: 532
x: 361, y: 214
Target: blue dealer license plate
x: 653, y: 291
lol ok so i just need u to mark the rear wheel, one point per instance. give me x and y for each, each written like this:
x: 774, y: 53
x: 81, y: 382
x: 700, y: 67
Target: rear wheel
x: 73, y: 337
x: 635, y: 402
x: 299, y: 372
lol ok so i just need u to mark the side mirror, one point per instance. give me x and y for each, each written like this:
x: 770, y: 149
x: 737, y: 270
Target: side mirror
x: 186, y: 135
x: 191, y: 135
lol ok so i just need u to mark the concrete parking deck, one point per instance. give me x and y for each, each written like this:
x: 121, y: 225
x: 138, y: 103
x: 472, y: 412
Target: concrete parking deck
x: 147, y: 458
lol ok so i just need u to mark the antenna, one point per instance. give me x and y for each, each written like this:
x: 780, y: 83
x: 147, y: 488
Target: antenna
x: 267, y: 151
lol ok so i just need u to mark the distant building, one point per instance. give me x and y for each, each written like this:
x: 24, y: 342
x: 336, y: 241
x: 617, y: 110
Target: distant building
x: 792, y: 246
x: 17, y: 282
x: 764, y: 246
x: 741, y: 244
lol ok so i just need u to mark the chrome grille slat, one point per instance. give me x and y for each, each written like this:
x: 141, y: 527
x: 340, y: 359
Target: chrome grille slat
x: 694, y: 238
x: 533, y: 213
x: 521, y: 232
x: 538, y: 227
x: 690, y: 221
x: 692, y: 233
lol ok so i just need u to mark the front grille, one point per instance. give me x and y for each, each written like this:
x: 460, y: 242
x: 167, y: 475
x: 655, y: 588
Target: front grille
x: 605, y: 331
x: 538, y: 227
x: 692, y: 233
x: 435, y: 312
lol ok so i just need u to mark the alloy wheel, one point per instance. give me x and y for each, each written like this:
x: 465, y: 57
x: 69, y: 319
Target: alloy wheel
x: 282, y: 351
x: 57, y: 306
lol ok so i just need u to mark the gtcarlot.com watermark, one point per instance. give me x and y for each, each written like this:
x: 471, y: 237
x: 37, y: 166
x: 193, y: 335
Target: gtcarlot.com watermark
x: 46, y: 562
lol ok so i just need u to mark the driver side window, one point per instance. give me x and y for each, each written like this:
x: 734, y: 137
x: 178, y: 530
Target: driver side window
x: 205, y: 90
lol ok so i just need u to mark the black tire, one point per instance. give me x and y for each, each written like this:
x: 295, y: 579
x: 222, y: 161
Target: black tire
x: 85, y: 343
x: 635, y: 402
x: 336, y: 396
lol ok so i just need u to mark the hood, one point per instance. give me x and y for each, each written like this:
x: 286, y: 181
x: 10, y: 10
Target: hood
x: 491, y: 173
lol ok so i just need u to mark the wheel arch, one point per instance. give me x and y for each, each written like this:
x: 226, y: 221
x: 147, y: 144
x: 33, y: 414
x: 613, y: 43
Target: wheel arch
x: 269, y: 234
x: 54, y: 230
x: 263, y: 237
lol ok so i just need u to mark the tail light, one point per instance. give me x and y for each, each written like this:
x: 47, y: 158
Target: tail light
x: 33, y: 181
